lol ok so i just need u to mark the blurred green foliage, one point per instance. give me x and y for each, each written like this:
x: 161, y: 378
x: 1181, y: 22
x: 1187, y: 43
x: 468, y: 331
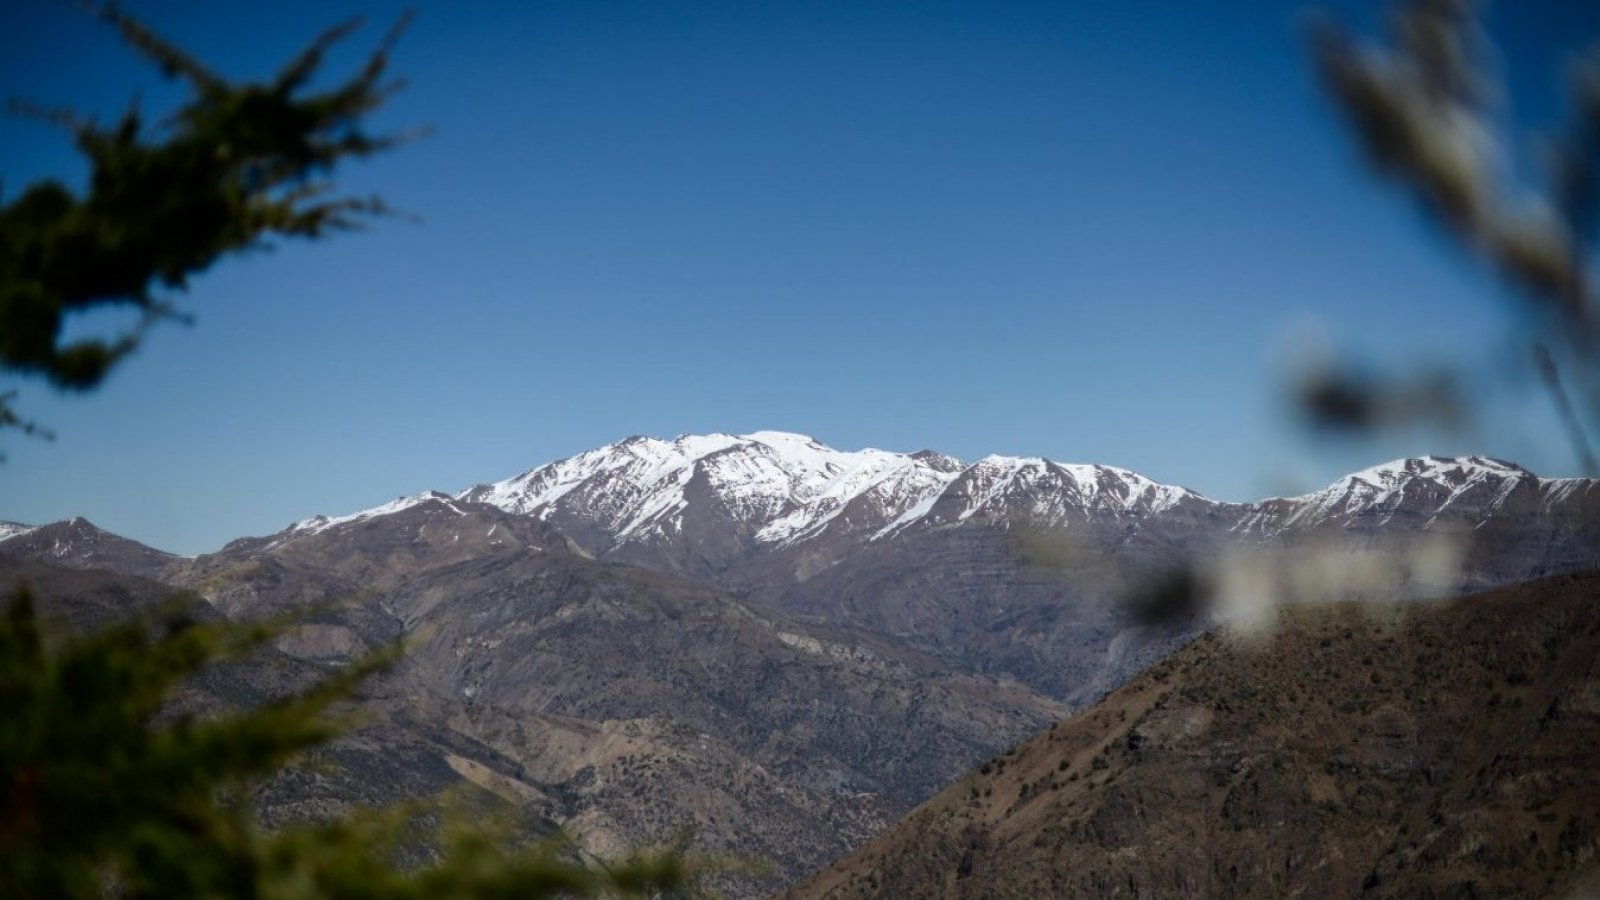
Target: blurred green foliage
x: 106, y: 791
x: 234, y: 166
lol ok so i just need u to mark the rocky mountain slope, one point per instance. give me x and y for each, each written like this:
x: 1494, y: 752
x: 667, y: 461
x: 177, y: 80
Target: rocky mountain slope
x: 629, y: 705
x: 392, y: 757
x: 785, y: 646
x: 772, y: 738
x: 1424, y: 750
x: 1016, y: 566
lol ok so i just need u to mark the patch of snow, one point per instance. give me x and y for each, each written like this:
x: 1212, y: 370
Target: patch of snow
x: 1380, y: 488
x: 318, y: 524
x: 917, y: 512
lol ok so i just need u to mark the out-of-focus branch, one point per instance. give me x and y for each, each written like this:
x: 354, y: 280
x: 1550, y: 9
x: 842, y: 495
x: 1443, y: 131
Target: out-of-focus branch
x: 228, y: 172
x: 1341, y: 399
x: 11, y: 419
x: 1550, y: 375
x: 1422, y: 109
x: 234, y: 166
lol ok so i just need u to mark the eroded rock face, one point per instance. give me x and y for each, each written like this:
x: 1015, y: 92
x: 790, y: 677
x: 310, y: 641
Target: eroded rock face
x: 1433, y: 750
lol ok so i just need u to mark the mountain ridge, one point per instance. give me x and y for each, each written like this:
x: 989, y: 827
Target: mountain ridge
x: 786, y: 488
x: 1009, y: 565
x: 782, y: 489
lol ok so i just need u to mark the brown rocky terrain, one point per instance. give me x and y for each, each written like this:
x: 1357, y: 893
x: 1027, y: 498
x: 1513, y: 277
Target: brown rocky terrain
x: 630, y: 706
x: 779, y: 647
x: 769, y: 738
x: 389, y: 759
x: 1426, y: 750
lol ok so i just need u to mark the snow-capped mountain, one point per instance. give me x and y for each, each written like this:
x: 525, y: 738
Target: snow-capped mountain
x: 1421, y: 493
x: 773, y: 486
x: 1042, y: 492
x: 1014, y: 562
x: 718, y: 497
x: 709, y: 500
x: 320, y: 523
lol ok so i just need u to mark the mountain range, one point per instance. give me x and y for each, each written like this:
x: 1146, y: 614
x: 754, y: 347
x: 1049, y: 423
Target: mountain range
x: 709, y: 506
x: 783, y: 647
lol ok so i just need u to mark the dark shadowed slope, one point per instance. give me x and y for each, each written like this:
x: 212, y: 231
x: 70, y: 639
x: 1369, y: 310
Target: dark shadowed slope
x: 1446, y: 749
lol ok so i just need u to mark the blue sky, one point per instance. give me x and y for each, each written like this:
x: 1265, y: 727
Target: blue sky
x: 1088, y: 231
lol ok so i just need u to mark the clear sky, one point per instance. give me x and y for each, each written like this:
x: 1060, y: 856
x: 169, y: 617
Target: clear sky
x: 1084, y: 230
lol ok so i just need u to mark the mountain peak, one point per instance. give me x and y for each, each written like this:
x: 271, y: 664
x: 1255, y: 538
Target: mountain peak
x: 780, y: 438
x: 999, y: 461
x: 777, y: 486
x: 1471, y: 486
x: 1438, y: 467
x: 79, y: 543
x: 320, y: 522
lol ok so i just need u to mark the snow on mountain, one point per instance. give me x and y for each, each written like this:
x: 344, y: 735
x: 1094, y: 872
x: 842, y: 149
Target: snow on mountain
x: 789, y: 488
x: 9, y: 530
x: 783, y: 487
x: 876, y: 485
x: 775, y: 488
x: 1041, y: 491
x: 317, y: 524
x: 1471, y: 486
